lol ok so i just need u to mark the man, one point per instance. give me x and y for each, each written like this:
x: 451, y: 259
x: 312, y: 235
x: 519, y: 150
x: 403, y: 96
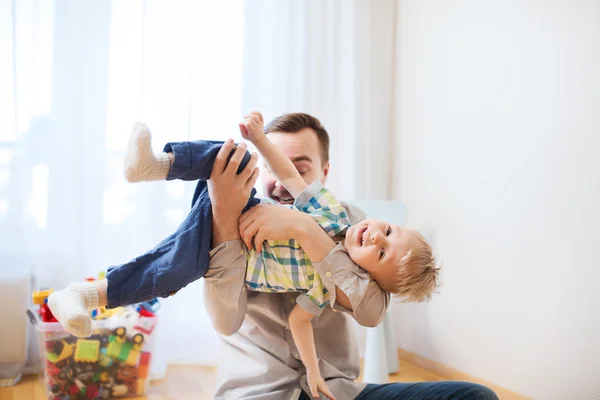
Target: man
x: 260, y: 359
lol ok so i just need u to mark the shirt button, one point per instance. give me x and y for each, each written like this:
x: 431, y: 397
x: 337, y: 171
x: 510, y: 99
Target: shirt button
x: 292, y: 300
x: 328, y: 274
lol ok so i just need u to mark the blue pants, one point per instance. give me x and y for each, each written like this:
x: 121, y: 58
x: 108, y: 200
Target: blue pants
x: 182, y: 257
x: 449, y: 390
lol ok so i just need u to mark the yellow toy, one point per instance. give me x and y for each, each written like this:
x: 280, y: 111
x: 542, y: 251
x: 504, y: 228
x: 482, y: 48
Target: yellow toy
x: 106, y: 313
x: 65, y: 352
x: 87, y: 351
x: 41, y: 296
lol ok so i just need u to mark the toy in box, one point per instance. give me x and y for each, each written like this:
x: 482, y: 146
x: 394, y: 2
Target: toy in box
x: 112, y: 363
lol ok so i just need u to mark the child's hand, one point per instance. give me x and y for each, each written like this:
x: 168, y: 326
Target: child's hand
x: 317, y: 384
x: 252, y: 127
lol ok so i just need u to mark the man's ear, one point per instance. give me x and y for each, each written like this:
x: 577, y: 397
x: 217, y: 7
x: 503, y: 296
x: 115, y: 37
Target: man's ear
x: 325, y: 173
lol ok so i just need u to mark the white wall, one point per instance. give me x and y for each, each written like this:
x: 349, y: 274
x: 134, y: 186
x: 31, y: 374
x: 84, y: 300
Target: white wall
x: 499, y: 164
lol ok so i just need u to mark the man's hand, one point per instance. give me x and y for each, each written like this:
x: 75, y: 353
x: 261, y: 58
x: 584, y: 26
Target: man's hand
x: 317, y: 384
x: 252, y: 128
x: 229, y: 191
x: 270, y: 222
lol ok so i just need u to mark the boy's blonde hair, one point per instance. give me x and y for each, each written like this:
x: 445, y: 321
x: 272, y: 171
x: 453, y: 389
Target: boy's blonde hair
x: 417, y: 276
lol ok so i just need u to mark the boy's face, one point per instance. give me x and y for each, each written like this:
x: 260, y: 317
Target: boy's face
x: 378, y: 247
x: 304, y: 149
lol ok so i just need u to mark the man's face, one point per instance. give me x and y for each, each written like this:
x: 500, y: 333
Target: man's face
x: 304, y: 149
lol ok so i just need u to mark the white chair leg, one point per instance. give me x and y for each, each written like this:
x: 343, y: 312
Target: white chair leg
x: 390, y: 343
x: 376, y: 365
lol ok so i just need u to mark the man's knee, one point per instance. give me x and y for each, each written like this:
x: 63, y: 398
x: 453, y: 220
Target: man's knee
x: 480, y: 392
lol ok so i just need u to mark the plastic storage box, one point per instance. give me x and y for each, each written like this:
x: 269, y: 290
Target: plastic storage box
x: 112, y: 363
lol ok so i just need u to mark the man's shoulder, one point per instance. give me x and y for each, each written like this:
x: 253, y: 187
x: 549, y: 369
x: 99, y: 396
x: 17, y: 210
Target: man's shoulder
x: 355, y: 213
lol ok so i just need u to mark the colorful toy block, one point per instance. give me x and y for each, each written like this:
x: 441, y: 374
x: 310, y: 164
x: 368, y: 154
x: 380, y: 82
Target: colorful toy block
x: 62, y: 351
x: 87, y: 350
x: 122, y: 349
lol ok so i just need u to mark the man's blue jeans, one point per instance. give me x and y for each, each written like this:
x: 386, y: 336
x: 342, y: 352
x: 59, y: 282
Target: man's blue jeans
x: 449, y: 390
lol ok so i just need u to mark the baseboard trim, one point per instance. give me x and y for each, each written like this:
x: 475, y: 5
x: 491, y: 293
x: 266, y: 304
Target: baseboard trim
x: 456, y: 375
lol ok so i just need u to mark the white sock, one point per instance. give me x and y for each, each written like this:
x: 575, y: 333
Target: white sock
x: 70, y: 306
x: 140, y: 162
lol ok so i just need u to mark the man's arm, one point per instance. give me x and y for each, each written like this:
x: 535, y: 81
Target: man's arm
x: 282, y: 167
x: 224, y: 283
x: 225, y: 295
x: 229, y: 191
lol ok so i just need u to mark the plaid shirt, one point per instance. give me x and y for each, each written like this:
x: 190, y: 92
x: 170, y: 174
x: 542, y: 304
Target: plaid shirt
x: 283, y: 267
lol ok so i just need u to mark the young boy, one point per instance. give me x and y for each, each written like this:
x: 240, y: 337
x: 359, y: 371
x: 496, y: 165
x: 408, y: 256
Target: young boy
x: 398, y: 258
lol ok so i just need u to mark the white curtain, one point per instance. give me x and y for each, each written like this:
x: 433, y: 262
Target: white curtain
x: 75, y: 75
x: 333, y: 59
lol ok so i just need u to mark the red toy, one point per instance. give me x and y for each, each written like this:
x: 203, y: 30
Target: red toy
x: 41, y: 298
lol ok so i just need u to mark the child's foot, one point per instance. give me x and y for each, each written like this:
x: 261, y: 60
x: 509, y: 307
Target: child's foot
x: 70, y: 307
x: 140, y: 162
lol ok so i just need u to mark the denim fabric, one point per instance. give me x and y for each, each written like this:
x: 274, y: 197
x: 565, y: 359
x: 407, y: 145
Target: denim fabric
x: 183, y: 256
x: 449, y: 390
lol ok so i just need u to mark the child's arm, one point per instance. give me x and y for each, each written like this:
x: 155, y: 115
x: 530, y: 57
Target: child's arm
x: 282, y: 167
x: 301, y: 327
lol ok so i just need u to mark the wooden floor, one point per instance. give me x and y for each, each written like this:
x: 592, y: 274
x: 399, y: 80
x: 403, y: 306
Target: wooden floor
x: 190, y: 383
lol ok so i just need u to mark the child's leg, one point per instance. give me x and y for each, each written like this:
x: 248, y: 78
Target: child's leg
x: 141, y: 164
x: 189, y: 161
x: 194, y: 160
x: 181, y: 258
x: 178, y: 260
x: 71, y: 305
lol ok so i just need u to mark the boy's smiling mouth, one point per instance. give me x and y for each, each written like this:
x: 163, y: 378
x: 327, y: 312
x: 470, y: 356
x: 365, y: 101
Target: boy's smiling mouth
x: 360, y: 238
x: 284, y: 200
